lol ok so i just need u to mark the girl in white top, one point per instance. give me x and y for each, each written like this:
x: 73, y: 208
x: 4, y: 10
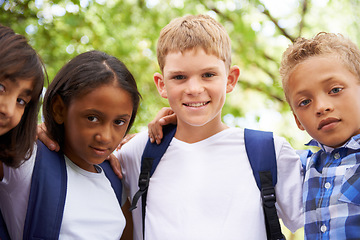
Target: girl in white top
x: 88, y: 108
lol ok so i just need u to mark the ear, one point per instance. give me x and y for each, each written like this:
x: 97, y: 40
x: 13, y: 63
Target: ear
x: 232, y: 78
x: 160, y: 85
x: 300, y: 126
x: 58, y: 110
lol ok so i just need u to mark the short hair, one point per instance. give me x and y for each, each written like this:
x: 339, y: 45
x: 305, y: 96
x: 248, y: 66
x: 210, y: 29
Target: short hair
x: 81, y: 75
x: 322, y: 44
x: 190, y: 32
x: 18, y: 60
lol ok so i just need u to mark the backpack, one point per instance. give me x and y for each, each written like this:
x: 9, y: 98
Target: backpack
x: 262, y: 161
x: 48, y: 193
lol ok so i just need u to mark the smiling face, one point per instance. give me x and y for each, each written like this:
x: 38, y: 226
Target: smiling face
x: 325, y: 99
x: 14, y: 95
x: 94, y: 123
x: 195, y: 85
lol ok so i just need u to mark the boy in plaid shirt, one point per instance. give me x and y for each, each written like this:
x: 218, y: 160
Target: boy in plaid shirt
x: 321, y: 81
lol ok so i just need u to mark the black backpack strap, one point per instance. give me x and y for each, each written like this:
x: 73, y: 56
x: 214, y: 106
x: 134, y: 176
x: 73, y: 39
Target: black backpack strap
x: 150, y: 159
x: 261, y: 153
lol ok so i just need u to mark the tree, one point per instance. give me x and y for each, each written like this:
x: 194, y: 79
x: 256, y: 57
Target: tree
x: 128, y: 29
x: 61, y: 29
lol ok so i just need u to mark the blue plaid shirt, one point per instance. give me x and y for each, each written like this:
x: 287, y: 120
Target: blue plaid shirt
x: 332, y: 192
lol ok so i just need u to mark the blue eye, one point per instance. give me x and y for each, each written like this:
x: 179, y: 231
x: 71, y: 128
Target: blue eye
x: 208, y: 75
x: 179, y: 77
x: 2, y: 88
x: 304, y: 103
x: 336, y: 90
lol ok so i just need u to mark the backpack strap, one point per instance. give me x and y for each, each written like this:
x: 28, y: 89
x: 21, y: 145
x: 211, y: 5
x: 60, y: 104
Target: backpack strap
x: 4, y: 234
x: 115, y: 181
x: 150, y: 159
x: 261, y: 153
x: 47, y: 195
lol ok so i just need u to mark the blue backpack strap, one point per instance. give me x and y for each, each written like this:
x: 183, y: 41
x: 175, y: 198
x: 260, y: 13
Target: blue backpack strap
x: 47, y: 195
x: 150, y: 159
x: 4, y: 234
x: 261, y: 153
x: 114, y: 179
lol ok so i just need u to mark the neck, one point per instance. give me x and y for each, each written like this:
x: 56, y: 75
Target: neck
x: 192, y: 134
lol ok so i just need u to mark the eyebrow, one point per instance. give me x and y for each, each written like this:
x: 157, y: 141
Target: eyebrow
x: 324, y: 81
x: 27, y: 92
x: 101, y: 113
x: 327, y: 79
x: 214, y: 68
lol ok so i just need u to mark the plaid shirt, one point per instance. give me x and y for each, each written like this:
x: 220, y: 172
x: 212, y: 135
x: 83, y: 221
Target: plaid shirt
x: 332, y: 192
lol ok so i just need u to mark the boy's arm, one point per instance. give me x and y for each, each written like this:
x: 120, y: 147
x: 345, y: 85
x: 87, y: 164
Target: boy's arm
x: 289, y: 185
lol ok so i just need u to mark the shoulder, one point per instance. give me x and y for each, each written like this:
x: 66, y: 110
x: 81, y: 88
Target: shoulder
x: 136, y: 144
x: 21, y: 173
x: 130, y: 153
x: 283, y: 147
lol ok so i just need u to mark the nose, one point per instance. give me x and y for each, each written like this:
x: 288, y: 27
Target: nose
x: 323, y: 106
x: 7, y: 107
x: 194, y: 86
x: 104, y: 134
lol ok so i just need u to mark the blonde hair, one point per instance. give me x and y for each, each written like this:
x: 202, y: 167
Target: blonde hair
x: 191, y: 32
x: 322, y: 44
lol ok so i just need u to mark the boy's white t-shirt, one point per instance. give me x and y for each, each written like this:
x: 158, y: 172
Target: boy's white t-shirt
x: 91, y: 208
x: 206, y: 190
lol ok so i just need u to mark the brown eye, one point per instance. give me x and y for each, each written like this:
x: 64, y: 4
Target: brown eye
x: 22, y: 102
x: 92, y: 119
x: 119, y: 122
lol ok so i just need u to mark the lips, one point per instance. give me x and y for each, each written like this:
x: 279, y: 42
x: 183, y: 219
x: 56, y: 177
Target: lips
x: 327, y: 122
x: 99, y: 150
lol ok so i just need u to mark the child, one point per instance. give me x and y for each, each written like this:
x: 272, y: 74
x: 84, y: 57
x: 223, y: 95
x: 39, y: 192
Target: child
x: 21, y: 83
x: 321, y: 83
x: 88, y: 108
x: 185, y: 200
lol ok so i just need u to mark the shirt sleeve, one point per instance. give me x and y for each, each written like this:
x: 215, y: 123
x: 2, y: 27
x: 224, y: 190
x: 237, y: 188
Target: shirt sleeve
x: 130, y: 160
x: 289, y: 185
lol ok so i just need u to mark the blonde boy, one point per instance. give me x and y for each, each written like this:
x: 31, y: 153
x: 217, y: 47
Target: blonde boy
x: 203, y: 187
x: 321, y: 83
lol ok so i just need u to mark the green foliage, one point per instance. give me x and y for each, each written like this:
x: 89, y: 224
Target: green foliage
x: 128, y: 29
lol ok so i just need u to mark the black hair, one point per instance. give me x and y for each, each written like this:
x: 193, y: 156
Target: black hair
x: 20, y: 62
x: 81, y: 75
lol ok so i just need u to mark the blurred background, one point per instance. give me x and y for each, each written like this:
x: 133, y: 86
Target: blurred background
x: 260, y: 31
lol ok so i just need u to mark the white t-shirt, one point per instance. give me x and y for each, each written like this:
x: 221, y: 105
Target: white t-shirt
x: 206, y: 190
x: 91, y: 208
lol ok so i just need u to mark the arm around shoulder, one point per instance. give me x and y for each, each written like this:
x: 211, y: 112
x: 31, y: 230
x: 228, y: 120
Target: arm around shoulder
x: 289, y: 185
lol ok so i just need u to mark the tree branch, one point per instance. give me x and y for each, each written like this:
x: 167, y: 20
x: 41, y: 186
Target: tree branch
x: 303, y: 13
x: 247, y: 85
x: 282, y: 30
